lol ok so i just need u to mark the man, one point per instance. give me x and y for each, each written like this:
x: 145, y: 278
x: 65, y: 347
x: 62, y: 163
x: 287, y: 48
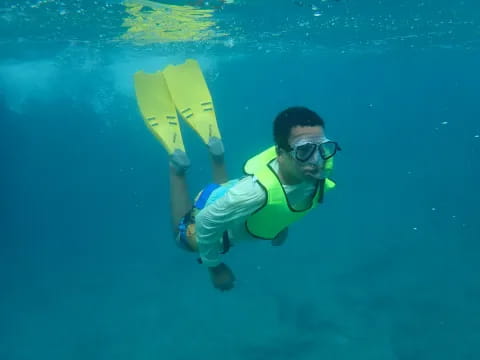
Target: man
x: 281, y: 184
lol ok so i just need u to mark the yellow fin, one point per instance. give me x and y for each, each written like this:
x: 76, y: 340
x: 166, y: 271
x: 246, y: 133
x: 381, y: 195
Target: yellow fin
x: 158, y: 109
x: 192, y: 98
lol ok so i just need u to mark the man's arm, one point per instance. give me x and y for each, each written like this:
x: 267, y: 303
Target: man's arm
x: 210, y: 223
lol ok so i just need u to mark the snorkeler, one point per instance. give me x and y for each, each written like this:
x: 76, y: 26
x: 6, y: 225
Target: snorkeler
x: 281, y: 184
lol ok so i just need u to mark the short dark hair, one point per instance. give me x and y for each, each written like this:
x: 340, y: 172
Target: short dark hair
x: 291, y: 117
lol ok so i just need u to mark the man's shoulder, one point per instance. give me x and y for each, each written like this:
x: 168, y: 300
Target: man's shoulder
x: 247, y: 186
x: 242, y: 199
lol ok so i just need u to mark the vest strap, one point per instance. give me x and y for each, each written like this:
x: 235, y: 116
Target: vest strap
x: 321, y: 190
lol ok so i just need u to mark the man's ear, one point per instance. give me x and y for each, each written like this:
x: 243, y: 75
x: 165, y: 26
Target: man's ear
x: 280, y: 154
x: 279, y: 150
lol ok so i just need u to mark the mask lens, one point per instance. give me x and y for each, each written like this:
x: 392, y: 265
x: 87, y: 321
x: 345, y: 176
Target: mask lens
x: 328, y: 149
x: 305, y: 151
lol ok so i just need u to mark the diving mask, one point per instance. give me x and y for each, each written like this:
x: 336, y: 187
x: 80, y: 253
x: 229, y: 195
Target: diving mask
x: 303, y: 150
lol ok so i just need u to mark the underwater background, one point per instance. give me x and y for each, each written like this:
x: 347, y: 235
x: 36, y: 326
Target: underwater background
x: 387, y: 268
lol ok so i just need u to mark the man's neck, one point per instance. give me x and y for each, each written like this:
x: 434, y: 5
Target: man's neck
x: 287, y: 180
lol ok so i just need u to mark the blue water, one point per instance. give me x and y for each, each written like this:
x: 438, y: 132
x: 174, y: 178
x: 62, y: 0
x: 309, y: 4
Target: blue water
x: 387, y: 268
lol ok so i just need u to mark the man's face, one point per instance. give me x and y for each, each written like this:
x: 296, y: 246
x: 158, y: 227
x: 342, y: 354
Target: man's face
x: 295, y: 170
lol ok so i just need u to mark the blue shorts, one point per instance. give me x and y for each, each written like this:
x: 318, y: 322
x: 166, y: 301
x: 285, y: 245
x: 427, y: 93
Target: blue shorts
x: 186, y: 236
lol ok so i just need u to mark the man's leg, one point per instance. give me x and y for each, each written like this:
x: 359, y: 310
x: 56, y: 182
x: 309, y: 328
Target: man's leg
x: 219, y: 170
x: 180, y: 201
x: 218, y: 163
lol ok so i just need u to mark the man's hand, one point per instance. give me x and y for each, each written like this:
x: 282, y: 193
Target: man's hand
x: 222, y: 277
x: 281, y: 238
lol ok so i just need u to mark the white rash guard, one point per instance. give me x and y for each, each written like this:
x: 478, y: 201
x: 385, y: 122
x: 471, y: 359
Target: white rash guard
x: 231, y: 210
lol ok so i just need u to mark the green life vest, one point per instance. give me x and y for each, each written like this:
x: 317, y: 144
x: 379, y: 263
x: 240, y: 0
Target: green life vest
x: 276, y: 213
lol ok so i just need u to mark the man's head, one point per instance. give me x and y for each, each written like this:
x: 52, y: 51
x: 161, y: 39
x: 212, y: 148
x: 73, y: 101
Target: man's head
x: 293, y: 128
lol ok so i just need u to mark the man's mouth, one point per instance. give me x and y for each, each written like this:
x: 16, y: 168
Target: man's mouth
x: 314, y: 172
x: 311, y: 169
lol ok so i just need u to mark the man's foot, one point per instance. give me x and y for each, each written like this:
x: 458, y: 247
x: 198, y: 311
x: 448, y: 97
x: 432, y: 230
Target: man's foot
x: 215, y: 147
x: 179, y: 161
